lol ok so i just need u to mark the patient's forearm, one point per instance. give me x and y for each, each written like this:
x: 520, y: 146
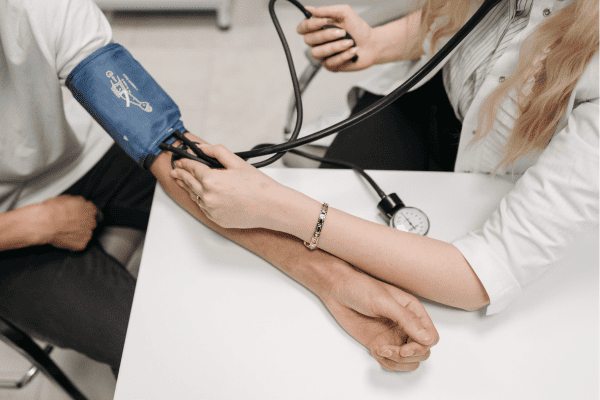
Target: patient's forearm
x: 21, y: 227
x: 315, y: 270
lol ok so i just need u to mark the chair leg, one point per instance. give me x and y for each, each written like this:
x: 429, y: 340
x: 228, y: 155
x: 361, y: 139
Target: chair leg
x: 30, y: 350
x: 26, y: 378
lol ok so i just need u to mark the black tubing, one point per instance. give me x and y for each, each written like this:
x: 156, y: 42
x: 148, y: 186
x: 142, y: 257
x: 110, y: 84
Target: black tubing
x: 280, y: 149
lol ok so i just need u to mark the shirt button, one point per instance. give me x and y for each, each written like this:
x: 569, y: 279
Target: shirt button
x: 546, y: 12
x: 501, y: 79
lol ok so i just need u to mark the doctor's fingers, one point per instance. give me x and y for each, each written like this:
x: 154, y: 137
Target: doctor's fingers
x: 197, y: 169
x: 198, y: 200
x: 337, y: 13
x: 190, y: 180
x: 342, y: 62
x: 326, y: 35
x: 195, y: 197
x: 329, y: 49
x: 312, y: 25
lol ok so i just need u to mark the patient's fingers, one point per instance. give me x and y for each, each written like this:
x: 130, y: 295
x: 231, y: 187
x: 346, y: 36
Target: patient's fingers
x: 397, y: 367
x: 413, y: 348
x: 394, y: 353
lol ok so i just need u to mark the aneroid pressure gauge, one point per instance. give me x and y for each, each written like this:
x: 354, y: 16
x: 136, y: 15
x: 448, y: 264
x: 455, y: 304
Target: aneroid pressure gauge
x: 407, y: 219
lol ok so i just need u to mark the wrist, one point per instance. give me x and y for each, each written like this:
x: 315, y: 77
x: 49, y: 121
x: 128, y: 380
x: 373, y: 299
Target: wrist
x: 379, y: 45
x: 42, y: 230
x: 23, y: 227
x: 292, y: 212
x: 399, y: 40
x: 326, y: 274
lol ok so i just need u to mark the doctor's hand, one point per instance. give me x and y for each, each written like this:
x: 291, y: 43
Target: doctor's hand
x: 346, y: 19
x: 391, y: 323
x: 234, y: 197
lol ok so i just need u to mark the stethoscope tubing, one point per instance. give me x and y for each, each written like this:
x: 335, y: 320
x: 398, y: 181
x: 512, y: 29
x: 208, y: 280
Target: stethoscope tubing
x: 487, y: 6
x: 280, y: 149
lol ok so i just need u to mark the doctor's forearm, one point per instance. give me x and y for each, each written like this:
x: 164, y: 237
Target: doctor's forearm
x: 317, y: 271
x: 400, y: 40
x: 426, y: 267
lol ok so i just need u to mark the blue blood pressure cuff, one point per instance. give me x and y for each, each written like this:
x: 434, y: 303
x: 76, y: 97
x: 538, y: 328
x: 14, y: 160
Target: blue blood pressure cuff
x: 124, y: 99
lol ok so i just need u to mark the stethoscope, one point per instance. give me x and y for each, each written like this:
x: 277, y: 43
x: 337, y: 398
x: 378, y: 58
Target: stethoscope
x: 401, y: 217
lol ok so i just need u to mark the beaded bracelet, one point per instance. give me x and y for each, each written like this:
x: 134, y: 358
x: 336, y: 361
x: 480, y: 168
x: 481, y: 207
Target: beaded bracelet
x: 313, y: 242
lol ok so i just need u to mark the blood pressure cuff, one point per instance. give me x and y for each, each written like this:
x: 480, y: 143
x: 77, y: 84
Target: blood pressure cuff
x: 124, y: 99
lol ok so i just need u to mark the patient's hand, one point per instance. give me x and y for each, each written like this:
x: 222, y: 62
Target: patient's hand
x: 378, y: 315
x: 392, y: 324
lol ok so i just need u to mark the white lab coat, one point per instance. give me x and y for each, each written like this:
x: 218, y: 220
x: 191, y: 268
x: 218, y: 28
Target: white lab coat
x: 555, y: 198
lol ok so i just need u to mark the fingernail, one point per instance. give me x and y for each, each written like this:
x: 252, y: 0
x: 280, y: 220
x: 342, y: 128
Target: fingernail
x: 386, y: 353
x: 180, y: 183
x: 425, y: 337
x: 339, y: 33
x: 354, y: 49
x: 178, y: 164
x: 349, y: 42
x: 410, y: 353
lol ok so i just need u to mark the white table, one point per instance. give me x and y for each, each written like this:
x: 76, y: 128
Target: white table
x: 211, y: 320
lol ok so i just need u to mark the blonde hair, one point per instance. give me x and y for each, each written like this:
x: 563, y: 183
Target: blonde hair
x: 551, y: 61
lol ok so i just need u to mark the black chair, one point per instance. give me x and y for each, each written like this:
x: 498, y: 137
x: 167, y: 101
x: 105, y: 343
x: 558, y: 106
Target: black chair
x: 40, y: 359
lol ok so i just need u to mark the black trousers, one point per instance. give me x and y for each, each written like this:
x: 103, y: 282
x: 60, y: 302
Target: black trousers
x: 417, y: 132
x: 81, y: 300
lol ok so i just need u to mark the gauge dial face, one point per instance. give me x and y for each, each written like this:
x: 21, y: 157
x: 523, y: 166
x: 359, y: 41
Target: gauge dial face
x: 410, y: 219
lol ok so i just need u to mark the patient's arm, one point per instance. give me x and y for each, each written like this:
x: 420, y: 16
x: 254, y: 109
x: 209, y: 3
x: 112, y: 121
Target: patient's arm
x: 378, y: 315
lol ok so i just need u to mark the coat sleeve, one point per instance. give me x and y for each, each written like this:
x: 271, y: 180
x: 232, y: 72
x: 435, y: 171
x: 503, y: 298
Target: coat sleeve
x: 553, y: 203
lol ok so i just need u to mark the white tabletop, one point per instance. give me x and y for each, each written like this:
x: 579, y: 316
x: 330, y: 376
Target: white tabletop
x: 211, y: 320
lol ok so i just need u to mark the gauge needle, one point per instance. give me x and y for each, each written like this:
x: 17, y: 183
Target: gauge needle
x: 408, y: 220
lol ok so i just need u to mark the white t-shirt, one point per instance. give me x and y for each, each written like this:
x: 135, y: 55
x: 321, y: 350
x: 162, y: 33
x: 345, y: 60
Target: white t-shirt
x: 48, y: 141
